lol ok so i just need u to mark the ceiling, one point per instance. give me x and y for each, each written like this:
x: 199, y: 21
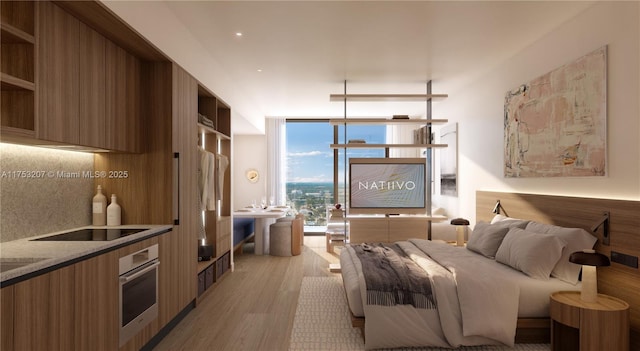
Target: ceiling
x: 293, y: 54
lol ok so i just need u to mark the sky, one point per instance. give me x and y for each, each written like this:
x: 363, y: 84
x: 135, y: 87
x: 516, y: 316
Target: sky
x: 309, y: 156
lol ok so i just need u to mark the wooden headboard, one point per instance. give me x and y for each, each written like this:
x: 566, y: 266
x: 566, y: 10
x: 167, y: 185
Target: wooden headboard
x: 617, y: 280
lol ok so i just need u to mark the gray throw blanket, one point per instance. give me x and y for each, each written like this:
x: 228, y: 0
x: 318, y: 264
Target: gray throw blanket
x: 392, y: 278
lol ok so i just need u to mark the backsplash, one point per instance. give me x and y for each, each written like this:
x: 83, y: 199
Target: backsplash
x: 43, y: 190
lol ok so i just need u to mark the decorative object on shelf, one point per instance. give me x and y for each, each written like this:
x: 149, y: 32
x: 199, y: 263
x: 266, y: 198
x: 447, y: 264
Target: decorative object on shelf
x: 462, y: 225
x: 206, y: 121
x: 400, y: 117
x: 449, y: 160
x: 590, y: 260
x: 253, y: 175
x: 99, y: 208
x: 559, y: 130
x: 357, y: 141
x: 114, y: 212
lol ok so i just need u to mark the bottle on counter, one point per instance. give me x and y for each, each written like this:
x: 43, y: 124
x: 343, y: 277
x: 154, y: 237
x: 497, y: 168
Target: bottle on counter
x: 114, y: 212
x: 99, y: 208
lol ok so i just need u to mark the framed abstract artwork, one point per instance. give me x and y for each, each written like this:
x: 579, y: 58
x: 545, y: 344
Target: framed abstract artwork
x: 555, y: 125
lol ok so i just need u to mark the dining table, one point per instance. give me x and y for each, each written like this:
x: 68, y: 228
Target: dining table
x: 263, y: 218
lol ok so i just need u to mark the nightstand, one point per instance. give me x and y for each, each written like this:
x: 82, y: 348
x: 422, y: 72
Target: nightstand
x: 588, y: 326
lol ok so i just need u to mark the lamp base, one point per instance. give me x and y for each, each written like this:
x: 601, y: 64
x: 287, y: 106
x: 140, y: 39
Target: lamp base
x: 589, y: 292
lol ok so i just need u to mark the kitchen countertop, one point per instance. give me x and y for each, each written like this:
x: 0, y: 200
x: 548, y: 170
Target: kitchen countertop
x: 41, y: 255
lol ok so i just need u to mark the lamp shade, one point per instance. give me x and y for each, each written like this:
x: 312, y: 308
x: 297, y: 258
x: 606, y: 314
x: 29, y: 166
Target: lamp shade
x: 589, y: 258
x: 461, y: 230
x: 459, y: 221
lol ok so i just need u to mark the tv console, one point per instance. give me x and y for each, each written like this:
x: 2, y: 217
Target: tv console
x: 381, y: 228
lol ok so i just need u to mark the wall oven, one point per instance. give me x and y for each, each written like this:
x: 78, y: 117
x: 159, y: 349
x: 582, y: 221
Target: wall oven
x: 138, y: 291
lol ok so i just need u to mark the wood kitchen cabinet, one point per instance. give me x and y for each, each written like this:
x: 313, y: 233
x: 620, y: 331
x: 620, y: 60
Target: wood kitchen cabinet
x: 58, y: 75
x: 96, y: 317
x: 44, y: 311
x: 92, y: 81
x: 88, y: 86
x: 6, y: 318
x: 17, y: 40
x: 123, y: 127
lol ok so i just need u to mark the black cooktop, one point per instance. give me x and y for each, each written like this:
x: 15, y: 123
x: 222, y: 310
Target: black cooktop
x: 91, y: 235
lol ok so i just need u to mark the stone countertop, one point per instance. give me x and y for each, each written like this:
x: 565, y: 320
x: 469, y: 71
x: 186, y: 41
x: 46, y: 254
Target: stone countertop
x: 41, y: 255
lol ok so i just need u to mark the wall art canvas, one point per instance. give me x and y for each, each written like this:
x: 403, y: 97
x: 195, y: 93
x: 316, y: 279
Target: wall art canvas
x: 449, y: 160
x: 555, y: 125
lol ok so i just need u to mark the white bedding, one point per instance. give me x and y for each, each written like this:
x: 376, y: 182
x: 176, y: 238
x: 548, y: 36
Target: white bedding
x: 479, y: 300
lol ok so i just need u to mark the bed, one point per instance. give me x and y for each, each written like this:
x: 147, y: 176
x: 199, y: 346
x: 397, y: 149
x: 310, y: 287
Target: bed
x: 479, y: 299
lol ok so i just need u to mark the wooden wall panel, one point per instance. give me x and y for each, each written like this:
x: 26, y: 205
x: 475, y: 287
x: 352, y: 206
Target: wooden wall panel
x: 145, y: 195
x: 617, y: 280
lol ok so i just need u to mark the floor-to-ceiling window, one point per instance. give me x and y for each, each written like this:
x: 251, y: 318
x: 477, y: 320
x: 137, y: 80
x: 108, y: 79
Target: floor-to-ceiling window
x: 312, y: 165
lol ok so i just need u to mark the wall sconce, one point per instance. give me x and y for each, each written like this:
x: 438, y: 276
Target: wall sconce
x: 498, y: 207
x: 590, y: 260
x: 461, y: 230
x: 604, y: 223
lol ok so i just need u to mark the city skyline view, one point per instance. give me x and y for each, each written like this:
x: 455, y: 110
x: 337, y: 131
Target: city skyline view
x: 309, y: 156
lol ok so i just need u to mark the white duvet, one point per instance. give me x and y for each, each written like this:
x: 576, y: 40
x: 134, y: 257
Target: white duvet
x: 475, y: 305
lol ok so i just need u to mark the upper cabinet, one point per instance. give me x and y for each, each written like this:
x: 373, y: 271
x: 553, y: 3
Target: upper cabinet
x: 122, y: 100
x: 58, y: 75
x: 63, y: 82
x: 17, y: 68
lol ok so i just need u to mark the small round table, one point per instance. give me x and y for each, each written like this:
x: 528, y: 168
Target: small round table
x: 588, y: 326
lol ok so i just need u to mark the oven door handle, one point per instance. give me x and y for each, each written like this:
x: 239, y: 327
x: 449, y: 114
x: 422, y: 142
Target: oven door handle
x: 143, y: 270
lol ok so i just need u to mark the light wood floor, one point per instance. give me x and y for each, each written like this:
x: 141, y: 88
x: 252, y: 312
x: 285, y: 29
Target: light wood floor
x: 253, y: 307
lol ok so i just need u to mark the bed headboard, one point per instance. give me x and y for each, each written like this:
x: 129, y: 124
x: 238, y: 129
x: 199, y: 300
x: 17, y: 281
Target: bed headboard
x: 624, y: 227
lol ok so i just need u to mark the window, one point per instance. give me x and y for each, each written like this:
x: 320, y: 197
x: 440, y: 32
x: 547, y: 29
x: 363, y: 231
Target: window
x: 311, y: 184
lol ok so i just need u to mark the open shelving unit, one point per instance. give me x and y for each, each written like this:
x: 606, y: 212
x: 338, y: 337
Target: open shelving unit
x: 425, y: 123
x: 17, y: 68
x: 216, y: 222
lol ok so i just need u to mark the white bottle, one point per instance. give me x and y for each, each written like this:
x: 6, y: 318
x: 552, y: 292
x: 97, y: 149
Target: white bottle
x: 99, y: 208
x: 113, y: 212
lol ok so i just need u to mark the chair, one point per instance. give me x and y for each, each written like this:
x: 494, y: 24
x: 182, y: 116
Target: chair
x: 286, y: 236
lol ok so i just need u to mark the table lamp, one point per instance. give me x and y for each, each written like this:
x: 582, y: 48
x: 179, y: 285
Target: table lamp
x: 590, y: 260
x: 461, y: 230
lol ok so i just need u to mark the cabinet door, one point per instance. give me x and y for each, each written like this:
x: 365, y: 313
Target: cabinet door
x: 97, y: 300
x: 92, y: 82
x: 58, y: 90
x: 223, y: 236
x: 367, y: 230
x: 122, y: 99
x: 177, y: 287
x: 407, y: 228
x: 6, y: 318
x: 185, y: 142
x: 44, y: 311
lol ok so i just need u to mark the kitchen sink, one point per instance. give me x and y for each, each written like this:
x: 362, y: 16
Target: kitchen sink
x: 7, y: 264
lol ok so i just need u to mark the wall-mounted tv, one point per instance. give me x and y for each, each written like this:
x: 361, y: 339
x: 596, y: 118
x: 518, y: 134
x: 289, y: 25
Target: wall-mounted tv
x: 387, y: 186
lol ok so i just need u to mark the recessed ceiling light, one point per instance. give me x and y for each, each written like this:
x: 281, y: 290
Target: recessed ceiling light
x: 238, y: 34
x: 259, y: 69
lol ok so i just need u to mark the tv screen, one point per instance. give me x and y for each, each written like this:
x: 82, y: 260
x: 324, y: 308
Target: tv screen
x: 387, y: 185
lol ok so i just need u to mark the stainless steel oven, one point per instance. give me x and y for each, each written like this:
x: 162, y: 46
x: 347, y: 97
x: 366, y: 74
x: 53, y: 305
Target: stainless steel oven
x: 138, y: 291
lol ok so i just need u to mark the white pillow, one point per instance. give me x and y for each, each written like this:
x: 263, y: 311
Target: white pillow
x: 577, y: 239
x: 486, y: 238
x: 500, y: 218
x: 533, y: 254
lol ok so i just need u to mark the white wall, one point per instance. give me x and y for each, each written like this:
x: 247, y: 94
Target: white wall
x: 479, y: 110
x: 250, y: 152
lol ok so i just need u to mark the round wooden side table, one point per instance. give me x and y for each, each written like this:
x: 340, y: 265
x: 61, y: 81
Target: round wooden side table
x: 588, y: 326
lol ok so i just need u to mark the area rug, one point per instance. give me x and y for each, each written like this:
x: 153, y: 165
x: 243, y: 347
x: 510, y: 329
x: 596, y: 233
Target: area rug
x: 322, y: 322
